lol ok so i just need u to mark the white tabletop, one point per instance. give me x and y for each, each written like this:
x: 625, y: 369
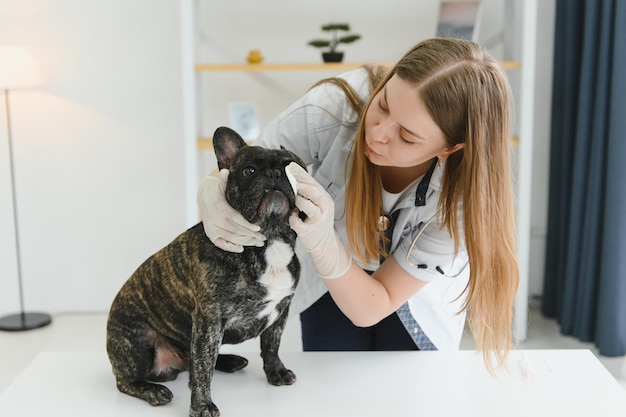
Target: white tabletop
x: 561, y: 383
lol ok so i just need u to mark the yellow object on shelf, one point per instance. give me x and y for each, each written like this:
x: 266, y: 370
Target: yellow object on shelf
x: 254, y: 57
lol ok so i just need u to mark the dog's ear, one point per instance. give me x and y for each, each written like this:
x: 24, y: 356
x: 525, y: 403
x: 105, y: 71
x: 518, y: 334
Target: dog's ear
x: 226, y: 143
x: 295, y: 157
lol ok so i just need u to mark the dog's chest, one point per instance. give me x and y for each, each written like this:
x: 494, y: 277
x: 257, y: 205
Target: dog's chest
x: 276, y: 279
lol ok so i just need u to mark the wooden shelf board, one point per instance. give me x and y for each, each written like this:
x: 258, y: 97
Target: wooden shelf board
x: 305, y: 66
x: 277, y: 67
x: 206, y: 144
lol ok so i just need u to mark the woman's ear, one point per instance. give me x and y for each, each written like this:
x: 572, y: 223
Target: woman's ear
x: 449, y: 151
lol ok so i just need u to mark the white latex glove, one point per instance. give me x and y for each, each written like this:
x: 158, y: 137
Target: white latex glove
x: 225, y: 226
x: 317, y: 232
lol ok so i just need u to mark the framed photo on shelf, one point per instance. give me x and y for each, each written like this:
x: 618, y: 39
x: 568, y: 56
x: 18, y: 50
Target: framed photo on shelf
x: 459, y: 19
x: 244, y: 119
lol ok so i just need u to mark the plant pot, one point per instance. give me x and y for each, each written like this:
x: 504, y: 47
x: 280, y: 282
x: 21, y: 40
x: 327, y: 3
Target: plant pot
x: 332, y: 56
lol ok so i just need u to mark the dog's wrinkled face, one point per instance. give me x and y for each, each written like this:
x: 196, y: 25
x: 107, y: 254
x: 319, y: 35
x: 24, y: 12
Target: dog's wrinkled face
x: 258, y: 186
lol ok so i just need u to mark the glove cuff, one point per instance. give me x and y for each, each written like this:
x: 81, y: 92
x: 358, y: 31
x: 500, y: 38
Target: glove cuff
x: 332, y: 262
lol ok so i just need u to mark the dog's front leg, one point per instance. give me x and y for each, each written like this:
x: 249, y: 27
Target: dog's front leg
x: 206, y: 339
x: 275, y: 371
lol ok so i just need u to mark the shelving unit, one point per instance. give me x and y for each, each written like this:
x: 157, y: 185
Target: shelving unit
x: 205, y: 144
x: 524, y: 14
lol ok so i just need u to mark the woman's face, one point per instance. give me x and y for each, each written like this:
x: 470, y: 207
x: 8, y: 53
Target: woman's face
x: 399, y: 131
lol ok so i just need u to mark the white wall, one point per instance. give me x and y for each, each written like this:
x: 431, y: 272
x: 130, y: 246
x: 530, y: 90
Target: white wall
x: 99, y: 155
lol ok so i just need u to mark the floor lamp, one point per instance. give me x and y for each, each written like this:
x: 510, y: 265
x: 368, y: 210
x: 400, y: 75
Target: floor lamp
x: 18, y: 70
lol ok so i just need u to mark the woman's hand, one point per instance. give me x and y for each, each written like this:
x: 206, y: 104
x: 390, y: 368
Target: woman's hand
x: 224, y: 226
x: 316, y: 232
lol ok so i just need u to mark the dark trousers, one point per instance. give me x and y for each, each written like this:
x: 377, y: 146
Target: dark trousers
x: 326, y: 328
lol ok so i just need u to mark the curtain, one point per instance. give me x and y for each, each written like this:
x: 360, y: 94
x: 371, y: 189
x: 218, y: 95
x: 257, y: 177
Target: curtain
x: 585, y: 271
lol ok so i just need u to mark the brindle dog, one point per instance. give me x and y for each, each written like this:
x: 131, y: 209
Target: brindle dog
x: 189, y: 298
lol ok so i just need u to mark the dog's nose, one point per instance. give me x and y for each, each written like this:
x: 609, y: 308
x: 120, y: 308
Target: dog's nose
x: 274, y: 174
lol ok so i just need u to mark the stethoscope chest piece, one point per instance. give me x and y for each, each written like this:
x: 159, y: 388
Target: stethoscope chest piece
x: 384, y: 222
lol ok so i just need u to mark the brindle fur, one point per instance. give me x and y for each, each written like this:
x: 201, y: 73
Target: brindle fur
x: 189, y: 298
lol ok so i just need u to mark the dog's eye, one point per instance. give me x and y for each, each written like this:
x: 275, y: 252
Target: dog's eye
x: 247, y: 171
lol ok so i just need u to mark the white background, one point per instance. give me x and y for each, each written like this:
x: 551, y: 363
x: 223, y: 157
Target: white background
x: 100, y: 154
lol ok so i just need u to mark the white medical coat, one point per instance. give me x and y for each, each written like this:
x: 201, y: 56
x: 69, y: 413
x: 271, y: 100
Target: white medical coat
x: 320, y: 128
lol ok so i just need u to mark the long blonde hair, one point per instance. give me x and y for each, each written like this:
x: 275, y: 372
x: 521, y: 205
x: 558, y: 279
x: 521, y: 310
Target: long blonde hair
x: 467, y: 95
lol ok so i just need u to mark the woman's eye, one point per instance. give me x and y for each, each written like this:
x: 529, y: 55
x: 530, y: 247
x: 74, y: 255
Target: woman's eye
x: 408, y: 142
x: 382, y: 105
x: 247, y: 171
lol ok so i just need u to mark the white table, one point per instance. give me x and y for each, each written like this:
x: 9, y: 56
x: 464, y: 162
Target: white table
x: 564, y: 383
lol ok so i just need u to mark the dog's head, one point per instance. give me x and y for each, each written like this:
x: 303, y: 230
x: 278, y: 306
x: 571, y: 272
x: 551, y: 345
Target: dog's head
x: 258, y: 186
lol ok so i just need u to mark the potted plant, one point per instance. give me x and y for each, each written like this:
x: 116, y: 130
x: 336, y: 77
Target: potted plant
x: 332, y: 55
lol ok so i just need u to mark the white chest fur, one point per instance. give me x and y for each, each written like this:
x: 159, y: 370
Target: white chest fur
x: 277, y: 279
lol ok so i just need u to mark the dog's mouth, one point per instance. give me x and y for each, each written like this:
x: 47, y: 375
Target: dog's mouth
x: 274, y: 202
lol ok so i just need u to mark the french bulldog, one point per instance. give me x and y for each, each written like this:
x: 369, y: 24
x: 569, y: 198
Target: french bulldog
x: 189, y: 298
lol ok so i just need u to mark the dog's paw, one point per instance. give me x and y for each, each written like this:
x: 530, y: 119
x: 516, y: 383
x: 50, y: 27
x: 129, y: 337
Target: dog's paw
x: 158, y: 395
x: 230, y: 363
x: 154, y: 394
x: 210, y: 410
x: 280, y: 377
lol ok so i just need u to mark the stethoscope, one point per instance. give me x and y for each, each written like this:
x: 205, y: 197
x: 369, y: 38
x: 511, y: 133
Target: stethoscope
x: 384, y: 222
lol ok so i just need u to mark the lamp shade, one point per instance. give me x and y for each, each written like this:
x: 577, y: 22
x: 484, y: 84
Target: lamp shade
x: 17, y: 68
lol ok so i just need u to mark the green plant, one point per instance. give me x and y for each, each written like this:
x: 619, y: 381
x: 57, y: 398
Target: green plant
x: 335, y: 39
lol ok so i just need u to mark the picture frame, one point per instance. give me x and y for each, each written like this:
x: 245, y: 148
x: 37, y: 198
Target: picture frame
x: 459, y: 19
x: 244, y: 119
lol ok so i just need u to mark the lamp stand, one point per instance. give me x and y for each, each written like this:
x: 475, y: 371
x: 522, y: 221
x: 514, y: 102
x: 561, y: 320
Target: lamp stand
x: 21, y: 320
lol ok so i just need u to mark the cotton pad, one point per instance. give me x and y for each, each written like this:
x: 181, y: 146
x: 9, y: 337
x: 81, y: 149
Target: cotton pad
x: 292, y: 180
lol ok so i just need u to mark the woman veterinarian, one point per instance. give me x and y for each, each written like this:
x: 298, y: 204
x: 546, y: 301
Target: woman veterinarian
x: 409, y: 202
